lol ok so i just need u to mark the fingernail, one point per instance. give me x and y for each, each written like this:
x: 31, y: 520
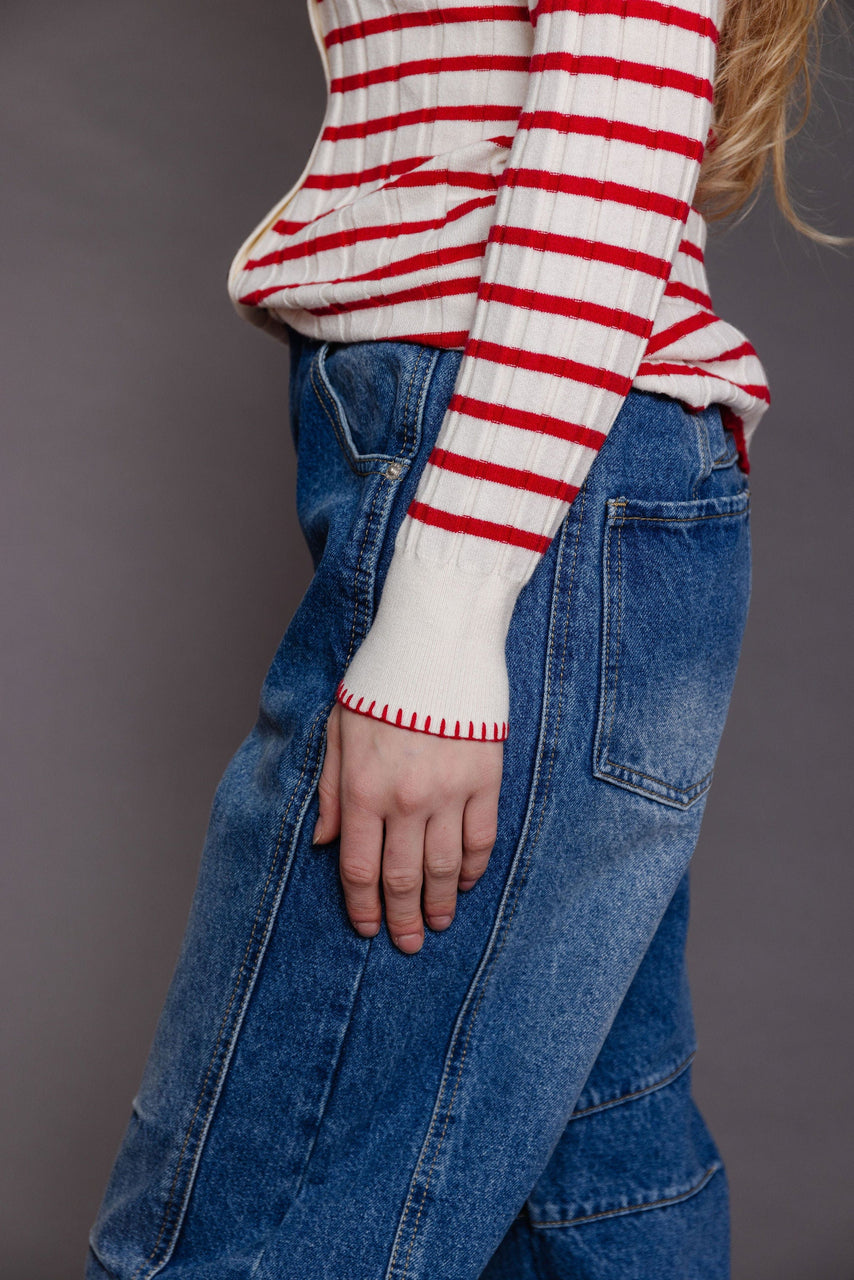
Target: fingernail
x: 367, y: 930
x: 440, y: 922
x: 466, y: 885
x: 318, y: 827
x: 406, y: 940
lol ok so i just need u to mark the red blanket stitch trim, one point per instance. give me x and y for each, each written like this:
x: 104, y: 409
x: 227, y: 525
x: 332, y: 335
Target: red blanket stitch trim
x: 499, y: 732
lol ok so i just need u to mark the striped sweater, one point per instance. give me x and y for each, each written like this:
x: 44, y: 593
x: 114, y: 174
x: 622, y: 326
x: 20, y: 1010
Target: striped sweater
x: 513, y: 181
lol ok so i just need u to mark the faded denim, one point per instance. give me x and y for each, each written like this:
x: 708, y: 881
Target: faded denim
x: 514, y: 1100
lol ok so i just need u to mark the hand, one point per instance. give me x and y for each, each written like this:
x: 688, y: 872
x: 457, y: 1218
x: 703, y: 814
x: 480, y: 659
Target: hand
x: 436, y: 802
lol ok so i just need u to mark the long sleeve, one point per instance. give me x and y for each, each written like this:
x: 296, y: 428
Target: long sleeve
x: 588, y: 218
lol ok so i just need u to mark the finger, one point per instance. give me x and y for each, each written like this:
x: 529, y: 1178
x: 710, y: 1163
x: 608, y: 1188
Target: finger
x: 480, y: 820
x: 328, y: 822
x: 359, y: 866
x: 402, y: 874
x: 443, y: 853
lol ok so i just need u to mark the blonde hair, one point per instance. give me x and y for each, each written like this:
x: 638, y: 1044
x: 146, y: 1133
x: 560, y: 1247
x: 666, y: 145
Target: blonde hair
x: 767, y: 51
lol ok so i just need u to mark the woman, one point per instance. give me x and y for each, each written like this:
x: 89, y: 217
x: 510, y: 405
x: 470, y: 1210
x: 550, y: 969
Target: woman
x: 522, y: 438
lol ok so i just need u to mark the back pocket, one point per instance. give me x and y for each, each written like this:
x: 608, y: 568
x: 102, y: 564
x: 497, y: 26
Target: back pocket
x: 676, y: 590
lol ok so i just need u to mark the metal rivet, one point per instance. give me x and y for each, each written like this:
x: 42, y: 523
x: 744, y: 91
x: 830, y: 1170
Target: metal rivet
x: 393, y: 469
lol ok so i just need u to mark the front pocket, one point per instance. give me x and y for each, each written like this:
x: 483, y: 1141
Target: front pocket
x: 676, y: 590
x: 376, y: 423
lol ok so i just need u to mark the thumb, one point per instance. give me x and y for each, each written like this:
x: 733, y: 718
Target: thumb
x: 328, y: 823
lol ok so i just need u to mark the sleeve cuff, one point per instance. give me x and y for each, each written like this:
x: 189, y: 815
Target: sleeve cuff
x: 433, y: 660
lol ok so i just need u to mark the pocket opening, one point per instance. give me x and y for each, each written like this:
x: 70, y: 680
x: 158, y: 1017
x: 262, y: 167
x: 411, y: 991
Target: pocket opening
x: 386, y: 435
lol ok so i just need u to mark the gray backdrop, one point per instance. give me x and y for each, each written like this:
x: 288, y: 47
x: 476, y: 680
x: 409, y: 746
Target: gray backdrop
x: 152, y: 560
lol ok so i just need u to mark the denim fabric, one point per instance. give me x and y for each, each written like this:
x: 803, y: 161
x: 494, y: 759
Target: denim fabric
x: 514, y: 1100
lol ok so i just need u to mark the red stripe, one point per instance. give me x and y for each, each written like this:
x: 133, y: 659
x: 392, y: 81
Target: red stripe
x: 542, y: 423
x: 735, y: 353
x: 404, y: 266
x: 678, y: 330
x: 540, y: 362
x: 621, y: 69
x: 517, y: 478
x: 426, y: 115
x: 410, y: 266
x: 415, y: 293
x: 574, y: 308
x: 355, y: 235
x: 506, y: 533
x: 429, y: 18
x: 675, y: 289
x: 418, y: 178
x: 428, y: 178
x: 452, y: 340
x: 446, y: 177
x: 691, y: 250
x: 550, y: 242
x: 759, y: 391
x: 650, y: 10
x: 596, y: 189
x: 332, y: 181
x: 622, y: 130
x: 467, y: 62
x: 732, y: 422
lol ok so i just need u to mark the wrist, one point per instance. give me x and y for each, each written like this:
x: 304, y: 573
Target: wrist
x: 433, y: 659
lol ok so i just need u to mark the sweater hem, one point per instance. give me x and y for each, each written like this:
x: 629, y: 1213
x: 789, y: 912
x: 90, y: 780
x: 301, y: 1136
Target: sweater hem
x: 406, y: 720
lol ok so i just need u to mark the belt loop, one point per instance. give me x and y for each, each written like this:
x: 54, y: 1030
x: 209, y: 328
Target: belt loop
x: 703, y: 448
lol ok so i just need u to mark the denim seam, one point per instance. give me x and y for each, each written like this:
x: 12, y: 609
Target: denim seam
x: 706, y: 1177
x: 725, y: 459
x: 717, y: 515
x: 333, y: 1075
x: 704, y: 446
x: 636, y: 1093
x: 607, y: 587
x: 360, y: 605
x: 489, y: 960
x: 406, y: 418
x: 227, y: 1059
x: 363, y: 601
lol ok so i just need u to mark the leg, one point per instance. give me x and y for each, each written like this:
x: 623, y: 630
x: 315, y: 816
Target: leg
x: 635, y: 1187
x: 318, y: 1105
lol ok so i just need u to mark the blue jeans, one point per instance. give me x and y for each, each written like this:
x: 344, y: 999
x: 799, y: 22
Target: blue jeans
x: 513, y: 1101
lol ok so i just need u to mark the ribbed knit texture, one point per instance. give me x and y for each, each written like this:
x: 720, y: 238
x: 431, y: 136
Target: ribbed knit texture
x: 515, y: 182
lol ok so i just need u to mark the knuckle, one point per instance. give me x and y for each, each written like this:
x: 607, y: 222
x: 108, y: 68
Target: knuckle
x: 409, y: 798
x: 358, y: 874
x: 360, y: 792
x: 443, y: 867
x: 480, y: 843
x: 401, y: 882
x: 415, y: 789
